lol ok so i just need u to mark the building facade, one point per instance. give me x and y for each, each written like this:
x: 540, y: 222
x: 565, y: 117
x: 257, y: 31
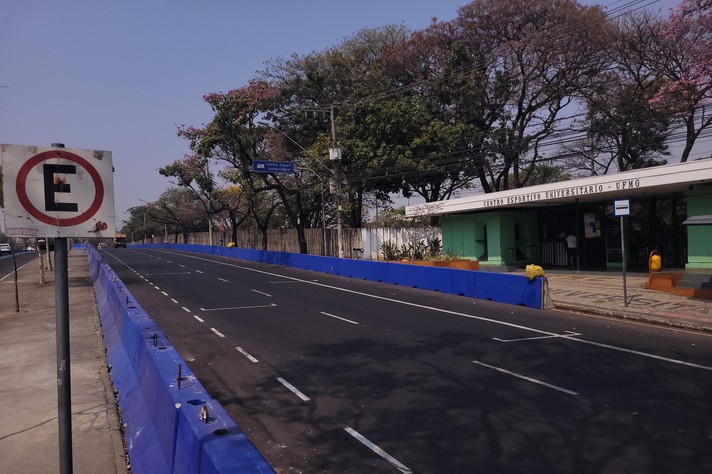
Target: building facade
x: 526, y: 225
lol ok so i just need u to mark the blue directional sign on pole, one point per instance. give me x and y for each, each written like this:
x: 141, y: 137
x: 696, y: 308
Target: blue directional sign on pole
x: 272, y: 166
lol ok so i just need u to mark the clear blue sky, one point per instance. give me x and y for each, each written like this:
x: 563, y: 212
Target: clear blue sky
x: 122, y: 75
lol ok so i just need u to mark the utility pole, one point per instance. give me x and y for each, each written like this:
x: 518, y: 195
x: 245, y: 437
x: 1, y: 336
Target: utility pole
x: 335, y: 156
x: 210, y: 208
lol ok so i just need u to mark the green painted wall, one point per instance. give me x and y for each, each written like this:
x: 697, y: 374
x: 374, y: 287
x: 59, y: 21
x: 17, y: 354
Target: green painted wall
x: 502, y: 237
x: 699, y: 237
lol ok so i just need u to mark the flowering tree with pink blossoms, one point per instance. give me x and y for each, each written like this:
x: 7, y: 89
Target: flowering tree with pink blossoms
x: 235, y: 137
x: 686, y: 62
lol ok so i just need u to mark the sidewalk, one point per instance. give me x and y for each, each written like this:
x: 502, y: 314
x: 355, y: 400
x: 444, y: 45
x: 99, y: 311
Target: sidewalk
x: 29, y: 440
x: 602, y: 293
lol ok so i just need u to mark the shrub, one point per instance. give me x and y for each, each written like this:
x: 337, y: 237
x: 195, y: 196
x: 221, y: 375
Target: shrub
x: 390, y: 251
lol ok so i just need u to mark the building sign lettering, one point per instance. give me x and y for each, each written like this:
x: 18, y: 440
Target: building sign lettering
x: 565, y: 192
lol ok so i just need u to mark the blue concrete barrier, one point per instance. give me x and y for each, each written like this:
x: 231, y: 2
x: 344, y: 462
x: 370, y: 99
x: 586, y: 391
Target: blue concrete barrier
x: 159, y: 411
x: 498, y: 287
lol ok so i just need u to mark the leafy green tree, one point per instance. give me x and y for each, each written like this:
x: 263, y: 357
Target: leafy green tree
x: 337, y: 77
x: 229, y: 201
x: 142, y: 224
x: 545, y: 174
x: 235, y: 138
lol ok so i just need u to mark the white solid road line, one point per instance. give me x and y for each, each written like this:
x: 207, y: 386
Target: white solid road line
x: 293, y: 389
x: 365, y: 441
x: 339, y: 317
x: 524, y: 377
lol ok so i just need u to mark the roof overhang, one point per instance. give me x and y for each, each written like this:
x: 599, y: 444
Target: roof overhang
x: 698, y: 220
x: 656, y: 181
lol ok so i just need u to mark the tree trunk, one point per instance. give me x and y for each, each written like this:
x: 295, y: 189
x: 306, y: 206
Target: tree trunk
x: 263, y: 231
x: 302, y: 239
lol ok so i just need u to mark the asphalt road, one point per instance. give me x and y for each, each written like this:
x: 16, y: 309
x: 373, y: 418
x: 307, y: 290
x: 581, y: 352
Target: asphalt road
x: 329, y: 374
x: 22, y: 258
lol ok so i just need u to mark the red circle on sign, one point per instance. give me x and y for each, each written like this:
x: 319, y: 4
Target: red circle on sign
x: 21, y: 182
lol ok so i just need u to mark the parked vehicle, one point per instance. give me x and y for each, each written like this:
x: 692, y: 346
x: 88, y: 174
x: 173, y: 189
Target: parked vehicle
x: 5, y: 249
x: 120, y: 240
x: 42, y: 244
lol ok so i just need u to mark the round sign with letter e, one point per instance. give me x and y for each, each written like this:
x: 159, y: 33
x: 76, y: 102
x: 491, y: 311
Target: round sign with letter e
x: 57, y: 192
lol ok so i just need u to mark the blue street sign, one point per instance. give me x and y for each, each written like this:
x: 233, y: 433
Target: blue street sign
x: 272, y: 166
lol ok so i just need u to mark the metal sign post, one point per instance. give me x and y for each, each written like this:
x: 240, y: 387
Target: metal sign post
x: 622, y: 209
x: 64, y: 390
x: 58, y: 193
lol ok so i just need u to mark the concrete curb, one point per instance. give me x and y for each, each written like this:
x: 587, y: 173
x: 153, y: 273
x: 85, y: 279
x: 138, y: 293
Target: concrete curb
x: 651, y: 318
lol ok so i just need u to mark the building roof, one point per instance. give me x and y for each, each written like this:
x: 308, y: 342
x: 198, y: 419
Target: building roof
x: 698, y: 220
x: 658, y: 181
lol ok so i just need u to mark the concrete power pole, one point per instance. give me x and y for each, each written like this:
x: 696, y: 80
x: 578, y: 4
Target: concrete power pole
x: 335, y: 155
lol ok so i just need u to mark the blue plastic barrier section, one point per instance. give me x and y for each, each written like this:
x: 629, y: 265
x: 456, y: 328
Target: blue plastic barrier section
x: 498, y: 287
x: 162, y: 414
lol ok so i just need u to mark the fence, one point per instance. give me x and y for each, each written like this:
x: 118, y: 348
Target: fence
x: 358, y: 243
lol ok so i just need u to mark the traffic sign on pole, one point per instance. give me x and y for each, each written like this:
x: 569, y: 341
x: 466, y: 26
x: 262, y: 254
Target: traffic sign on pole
x: 58, y: 192
x: 621, y: 208
x: 261, y: 166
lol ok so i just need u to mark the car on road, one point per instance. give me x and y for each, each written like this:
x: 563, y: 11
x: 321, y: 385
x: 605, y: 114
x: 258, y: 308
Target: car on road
x: 5, y: 249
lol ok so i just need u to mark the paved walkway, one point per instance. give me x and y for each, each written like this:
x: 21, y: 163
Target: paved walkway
x: 29, y: 440
x: 602, y: 293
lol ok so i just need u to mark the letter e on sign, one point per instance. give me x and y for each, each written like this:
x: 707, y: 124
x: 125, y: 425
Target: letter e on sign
x: 57, y: 192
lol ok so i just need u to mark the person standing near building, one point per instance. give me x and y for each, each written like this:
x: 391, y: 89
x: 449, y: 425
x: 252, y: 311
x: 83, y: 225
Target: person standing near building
x: 571, y: 249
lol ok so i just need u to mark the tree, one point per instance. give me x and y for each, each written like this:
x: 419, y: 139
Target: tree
x: 537, y: 54
x: 334, y: 79
x: 234, y: 205
x: 235, y: 138
x: 624, y: 126
x: 685, y: 59
x: 193, y: 173
x: 179, y: 209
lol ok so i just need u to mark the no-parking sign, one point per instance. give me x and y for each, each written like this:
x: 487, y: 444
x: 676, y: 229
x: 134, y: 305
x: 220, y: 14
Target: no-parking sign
x: 57, y: 192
